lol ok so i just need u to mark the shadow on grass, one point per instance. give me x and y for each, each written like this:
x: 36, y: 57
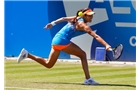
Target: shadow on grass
x: 123, y: 85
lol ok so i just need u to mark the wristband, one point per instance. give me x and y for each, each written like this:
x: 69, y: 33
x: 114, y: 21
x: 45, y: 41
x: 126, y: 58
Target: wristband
x: 53, y: 23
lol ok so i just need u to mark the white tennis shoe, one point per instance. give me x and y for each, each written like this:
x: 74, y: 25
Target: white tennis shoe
x: 23, y: 54
x: 90, y: 81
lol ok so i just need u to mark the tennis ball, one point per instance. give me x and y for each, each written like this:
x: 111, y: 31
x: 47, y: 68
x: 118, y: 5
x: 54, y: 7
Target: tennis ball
x: 80, y: 13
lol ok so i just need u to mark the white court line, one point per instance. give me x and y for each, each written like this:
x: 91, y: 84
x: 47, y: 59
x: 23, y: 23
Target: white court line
x: 24, y: 88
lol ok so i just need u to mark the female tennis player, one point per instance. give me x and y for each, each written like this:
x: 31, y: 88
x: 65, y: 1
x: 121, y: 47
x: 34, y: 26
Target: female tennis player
x: 61, y: 42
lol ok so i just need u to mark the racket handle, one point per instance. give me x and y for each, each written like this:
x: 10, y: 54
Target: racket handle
x: 110, y: 49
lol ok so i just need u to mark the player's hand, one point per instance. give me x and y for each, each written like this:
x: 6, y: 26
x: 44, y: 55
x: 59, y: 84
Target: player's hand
x: 108, y: 48
x: 48, y: 26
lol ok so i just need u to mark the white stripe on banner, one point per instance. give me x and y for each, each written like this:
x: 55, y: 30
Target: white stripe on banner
x: 71, y: 7
x: 119, y: 10
x: 126, y: 24
x: 99, y: 1
x: 83, y: 44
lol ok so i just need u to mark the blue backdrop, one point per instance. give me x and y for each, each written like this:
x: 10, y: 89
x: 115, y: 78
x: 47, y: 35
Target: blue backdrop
x: 24, y: 22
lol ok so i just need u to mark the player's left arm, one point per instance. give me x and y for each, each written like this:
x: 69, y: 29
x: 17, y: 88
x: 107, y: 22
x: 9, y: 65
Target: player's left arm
x: 49, y: 25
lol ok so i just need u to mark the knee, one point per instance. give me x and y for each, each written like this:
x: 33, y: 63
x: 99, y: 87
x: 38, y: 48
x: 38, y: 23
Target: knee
x: 49, y: 65
x: 83, y: 55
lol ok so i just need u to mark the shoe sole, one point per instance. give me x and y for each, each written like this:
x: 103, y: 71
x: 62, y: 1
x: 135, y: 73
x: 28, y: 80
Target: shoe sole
x: 18, y: 59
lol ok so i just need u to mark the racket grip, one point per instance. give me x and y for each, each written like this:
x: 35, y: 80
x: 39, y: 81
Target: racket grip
x: 110, y: 49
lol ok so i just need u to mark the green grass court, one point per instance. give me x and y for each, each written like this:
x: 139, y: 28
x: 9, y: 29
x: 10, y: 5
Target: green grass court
x: 29, y: 75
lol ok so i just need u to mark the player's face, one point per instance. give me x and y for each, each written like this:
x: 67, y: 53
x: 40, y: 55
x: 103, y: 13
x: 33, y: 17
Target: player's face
x: 88, y: 18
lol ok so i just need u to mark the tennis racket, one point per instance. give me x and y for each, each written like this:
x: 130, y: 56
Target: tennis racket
x: 117, y: 51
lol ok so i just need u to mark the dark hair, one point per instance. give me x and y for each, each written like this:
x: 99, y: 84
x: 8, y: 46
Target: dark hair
x: 81, y: 10
x: 85, y: 9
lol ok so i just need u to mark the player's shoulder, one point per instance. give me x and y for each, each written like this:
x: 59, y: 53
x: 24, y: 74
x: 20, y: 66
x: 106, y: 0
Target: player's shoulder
x: 80, y: 19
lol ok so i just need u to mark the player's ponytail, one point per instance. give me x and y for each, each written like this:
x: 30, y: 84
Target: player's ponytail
x: 77, y: 15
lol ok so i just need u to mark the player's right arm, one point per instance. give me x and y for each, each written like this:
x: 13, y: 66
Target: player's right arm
x: 93, y: 34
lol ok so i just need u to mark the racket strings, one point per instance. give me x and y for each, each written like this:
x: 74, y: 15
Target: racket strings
x: 117, y: 52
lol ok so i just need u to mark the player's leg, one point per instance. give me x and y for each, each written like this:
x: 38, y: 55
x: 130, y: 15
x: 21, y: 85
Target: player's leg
x: 77, y: 51
x: 47, y: 63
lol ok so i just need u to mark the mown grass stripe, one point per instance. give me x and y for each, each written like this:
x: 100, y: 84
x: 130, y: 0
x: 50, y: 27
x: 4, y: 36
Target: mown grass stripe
x: 68, y: 76
x: 31, y: 69
x: 37, y: 67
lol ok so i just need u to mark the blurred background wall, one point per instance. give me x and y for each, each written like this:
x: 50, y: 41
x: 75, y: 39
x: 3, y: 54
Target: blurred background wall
x: 115, y: 21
